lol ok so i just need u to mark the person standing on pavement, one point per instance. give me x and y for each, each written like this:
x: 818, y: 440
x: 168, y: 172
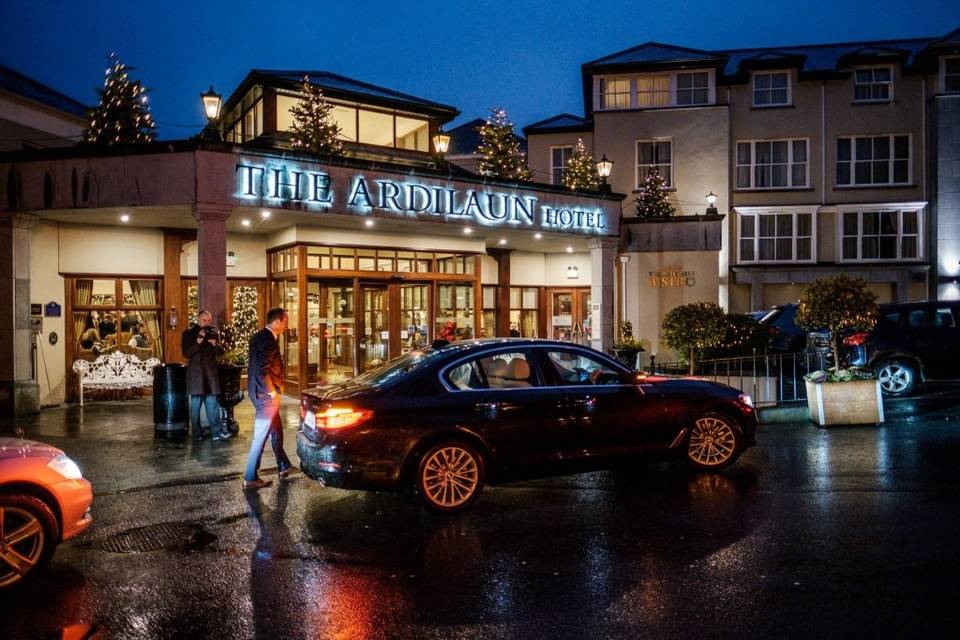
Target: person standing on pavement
x: 265, y: 381
x: 200, y: 346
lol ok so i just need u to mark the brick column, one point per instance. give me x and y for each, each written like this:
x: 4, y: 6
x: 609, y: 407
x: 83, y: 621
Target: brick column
x: 19, y: 392
x: 603, y: 259
x: 212, y: 257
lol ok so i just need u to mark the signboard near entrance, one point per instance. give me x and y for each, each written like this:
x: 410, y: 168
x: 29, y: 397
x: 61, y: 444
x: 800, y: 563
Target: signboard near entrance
x: 671, y: 277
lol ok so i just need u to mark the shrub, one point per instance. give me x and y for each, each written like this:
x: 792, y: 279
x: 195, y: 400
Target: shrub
x: 743, y: 336
x: 840, y: 304
x: 691, y: 328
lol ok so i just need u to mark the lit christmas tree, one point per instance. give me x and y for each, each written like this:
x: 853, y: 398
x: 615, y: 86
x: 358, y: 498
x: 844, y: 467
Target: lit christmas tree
x: 652, y: 201
x: 314, y: 128
x: 581, y: 169
x: 499, y: 149
x: 123, y: 115
x: 235, y: 335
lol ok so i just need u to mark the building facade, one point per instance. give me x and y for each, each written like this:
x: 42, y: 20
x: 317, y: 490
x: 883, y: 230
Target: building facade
x: 826, y: 159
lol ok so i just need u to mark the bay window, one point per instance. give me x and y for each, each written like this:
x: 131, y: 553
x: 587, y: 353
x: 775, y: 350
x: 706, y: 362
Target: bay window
x: 881, y: 233
x: 775, y: 236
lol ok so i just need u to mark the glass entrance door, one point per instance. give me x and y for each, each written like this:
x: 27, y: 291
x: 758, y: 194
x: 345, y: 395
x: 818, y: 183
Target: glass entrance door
x: 375, y: 341
x: 330, y: 331
x: 570, y: 315
x: 414, y: 316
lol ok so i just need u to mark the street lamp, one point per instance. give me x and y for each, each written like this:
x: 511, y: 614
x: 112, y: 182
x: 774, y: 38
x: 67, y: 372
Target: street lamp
x: 604, y: 167
x: 712, y: 204
x: 212, y: 101
x: 441, y: 142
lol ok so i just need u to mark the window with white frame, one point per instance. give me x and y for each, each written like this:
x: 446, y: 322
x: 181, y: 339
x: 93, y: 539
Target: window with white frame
x: 881, y: 234
x: 614, y: 93
x: 873, y: 160
x: 775, y: 236
x: 653, y: 90
x: 693, y: 88
x: 873, y: 85
x: 951, y: 74
x: 655, y: 155
x: 771, y: 88
x: 772, y: 164
x: 559, y: 157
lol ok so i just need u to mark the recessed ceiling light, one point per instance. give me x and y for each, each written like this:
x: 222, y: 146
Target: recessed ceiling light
x: 502, y: 241
x: 467, y: 230
x: 369, y: 223
x: 265, y: 214
x: 125, y: 218
x: 537, y: 236
x: 569, y: 249
x: 245, y: 222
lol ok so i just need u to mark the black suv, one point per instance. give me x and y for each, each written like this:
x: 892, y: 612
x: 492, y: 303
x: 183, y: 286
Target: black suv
x: 911, y: 343
x: 783, y: 334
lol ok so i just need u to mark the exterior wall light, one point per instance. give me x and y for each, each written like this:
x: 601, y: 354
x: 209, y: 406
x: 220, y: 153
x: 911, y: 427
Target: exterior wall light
x: 712, y: 204
x: 573, y: 273
x: 604, y: 167
x: 212, y: 101
x: 441, y: 142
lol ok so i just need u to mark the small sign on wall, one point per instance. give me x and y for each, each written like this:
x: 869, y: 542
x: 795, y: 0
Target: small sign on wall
x: 51, y: 310
x: 671, y: 277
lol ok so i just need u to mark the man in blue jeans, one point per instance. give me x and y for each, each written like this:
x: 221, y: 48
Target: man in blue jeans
x: 200, y: 345
x: 265, y: 380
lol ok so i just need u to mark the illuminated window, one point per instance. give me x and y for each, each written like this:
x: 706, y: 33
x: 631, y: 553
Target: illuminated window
x: 653, y: 90
x: 412, y: 133
x: 376, y: 128
x: 614, y: 93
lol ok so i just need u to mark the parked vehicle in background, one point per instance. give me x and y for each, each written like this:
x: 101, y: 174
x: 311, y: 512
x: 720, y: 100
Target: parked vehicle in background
x: 445, y: 421
x: 912, y: 342
x: 44, y: 500
x: 783, y: 333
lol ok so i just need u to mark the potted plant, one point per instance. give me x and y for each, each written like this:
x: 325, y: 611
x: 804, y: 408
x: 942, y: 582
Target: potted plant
x: 230, y: 366
x: 627, y: 347
x: 841, y: 395
x: 692, y: 328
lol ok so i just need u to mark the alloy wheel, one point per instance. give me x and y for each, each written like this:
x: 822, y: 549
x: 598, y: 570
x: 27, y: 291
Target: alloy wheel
x: 22, y: 543
x: 450, y: 476
x: 712, y: 442
x: 895, y: 378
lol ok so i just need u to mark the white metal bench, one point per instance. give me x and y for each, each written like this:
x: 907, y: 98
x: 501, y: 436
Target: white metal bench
x: 115, y: 371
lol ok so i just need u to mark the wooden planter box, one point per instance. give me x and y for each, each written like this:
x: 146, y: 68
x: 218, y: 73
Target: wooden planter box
x: 837, y: 403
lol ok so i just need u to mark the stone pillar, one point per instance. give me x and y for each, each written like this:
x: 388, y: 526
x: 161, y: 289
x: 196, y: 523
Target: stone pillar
x: 212, y: 257
x: 603, y: 260
x: 502, y: 256
x: 19, y: 392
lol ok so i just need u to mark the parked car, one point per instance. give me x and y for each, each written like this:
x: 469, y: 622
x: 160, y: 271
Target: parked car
x: 44, y: 500
x: 445, y: 421
x: 911, y: 343
x: 783, y: 333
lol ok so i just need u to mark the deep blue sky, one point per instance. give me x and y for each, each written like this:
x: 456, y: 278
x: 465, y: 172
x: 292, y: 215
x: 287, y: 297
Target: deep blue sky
x: 522, y: 55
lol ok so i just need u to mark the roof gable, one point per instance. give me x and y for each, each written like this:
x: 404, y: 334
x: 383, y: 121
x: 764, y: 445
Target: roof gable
x: 16, y: 83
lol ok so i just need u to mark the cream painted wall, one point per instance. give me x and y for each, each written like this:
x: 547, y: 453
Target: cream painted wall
x: 555, y: 269
x: 539, y: 151
x: 130, y: 250
x: 488, y: 270
x: 527, y: 268
x: 251, y: 253
x: 46, y: 285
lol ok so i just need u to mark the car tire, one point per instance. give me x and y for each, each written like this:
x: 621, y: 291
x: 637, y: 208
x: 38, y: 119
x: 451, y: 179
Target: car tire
x: 897, y: 377
x: 32, y: 520
x: 714, y: 442
x: 450, y: 476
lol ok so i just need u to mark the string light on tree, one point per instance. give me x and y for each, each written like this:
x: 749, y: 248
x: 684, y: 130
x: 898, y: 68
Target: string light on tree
x: 314, y: 129
x: 581, y: 169
x: 499, y: 150
x: 123, y: 115
x: 652, y: 201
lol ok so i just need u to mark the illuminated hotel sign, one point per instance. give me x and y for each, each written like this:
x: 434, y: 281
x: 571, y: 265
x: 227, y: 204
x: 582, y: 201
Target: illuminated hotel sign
x: 292, y: 186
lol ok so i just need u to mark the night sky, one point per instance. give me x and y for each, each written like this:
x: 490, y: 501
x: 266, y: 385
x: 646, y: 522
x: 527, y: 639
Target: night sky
x: 524, y: 56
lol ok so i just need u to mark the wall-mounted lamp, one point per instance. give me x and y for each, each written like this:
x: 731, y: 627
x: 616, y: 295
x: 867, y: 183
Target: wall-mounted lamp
x: 212, y: 101
x: 441, y: 142
x: 172, y: 318
x: 604, y: 167
x: 712, y: 204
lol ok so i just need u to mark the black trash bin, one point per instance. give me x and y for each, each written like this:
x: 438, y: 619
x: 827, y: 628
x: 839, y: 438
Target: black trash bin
x: 171, y: 405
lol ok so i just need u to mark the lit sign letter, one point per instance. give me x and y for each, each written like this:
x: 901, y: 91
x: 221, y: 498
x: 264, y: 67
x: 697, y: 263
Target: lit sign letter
x: 321, y: 188
x: 412, y: 191
x: 246, y: 187
x: 492, y: 213
x: 360, y: 190
x: 389, y: 191
x: 472, y: 203
x: 519, y: 208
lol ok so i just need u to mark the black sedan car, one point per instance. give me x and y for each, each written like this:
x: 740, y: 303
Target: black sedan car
x: 445, y: 421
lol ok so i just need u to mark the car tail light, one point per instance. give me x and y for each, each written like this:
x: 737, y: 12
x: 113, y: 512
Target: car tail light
x: 773, y: 331
x: 334, y: 418
x: 856, y: 339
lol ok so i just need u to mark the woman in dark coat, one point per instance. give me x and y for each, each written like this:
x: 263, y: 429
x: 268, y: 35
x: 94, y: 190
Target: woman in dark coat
x: 200, y: 345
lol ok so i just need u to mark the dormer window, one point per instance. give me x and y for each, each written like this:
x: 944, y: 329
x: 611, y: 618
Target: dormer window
x: 771, y: 88
x: 615, y: 93
x: 655, y: 90
x: 693, y: 88
x: 873, y: 85
x: 950, y: 72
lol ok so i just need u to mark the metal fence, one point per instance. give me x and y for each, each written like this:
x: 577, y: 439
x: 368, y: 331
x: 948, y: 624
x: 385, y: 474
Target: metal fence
x: 769, y: 378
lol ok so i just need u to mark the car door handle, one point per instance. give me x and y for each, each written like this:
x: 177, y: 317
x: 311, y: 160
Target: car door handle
x: 488, y: 408
x: 585, y: 402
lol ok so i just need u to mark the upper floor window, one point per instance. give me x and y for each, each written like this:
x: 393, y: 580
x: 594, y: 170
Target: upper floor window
x: 951, y: 74
x: 771, y: 88
x: 873, y: 160
x: 653, y: 90
x: 693, y: 88
x: 245, y: 121
x: 776, y: 236
x: 881, y: 235
x: 559, y: 157
x: 655, y: 155
x: 772, y: 164
x: 873, y: 85
x: 615, y: 93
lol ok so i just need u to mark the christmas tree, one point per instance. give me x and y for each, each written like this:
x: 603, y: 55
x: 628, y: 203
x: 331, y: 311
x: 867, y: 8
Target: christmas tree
x: 581, y: 169
x: 314, y: 128
x: 123, y: 115
x: 652, y: 201
x: 235, y: 335
x: 499, y: 149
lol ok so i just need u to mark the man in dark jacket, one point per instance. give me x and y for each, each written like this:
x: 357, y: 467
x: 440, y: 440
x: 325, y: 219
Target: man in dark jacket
x: 201, y: 348
x: 265, y: 381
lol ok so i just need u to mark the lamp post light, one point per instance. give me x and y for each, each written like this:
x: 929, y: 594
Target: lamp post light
x: 712, y: 204
x: 212, y: 101
x: 604, y: 167
x: 441, y: 142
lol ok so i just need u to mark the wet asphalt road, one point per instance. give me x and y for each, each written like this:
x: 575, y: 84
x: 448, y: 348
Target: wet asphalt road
x: 815, y: 533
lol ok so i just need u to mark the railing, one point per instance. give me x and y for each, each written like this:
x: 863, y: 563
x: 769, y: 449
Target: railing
x: 769, y: 378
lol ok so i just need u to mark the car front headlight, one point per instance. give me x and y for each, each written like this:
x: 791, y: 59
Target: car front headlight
x: 65, y: 467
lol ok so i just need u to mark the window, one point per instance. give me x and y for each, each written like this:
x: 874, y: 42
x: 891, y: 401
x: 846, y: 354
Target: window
x: 771, y: 88
x: 117, y: 315
x: 693, y: 88
x: 776, y: 236
x: 489, y: 293
x: 772, y: 164
x: 873, y: 160
x: 886, y: 234
x: 559, y: 157
x: 466, y: 376
x: 951, y: 75
x: 509, y: 371
x: 245, y: 121
x: 614, y: 93
x: 412, y: 133
x: 455, y: 309
x: 524, y: 312
x: 655, y: 154
x: 653, y: 90
x: 873, y: 85
x: 573, y: 368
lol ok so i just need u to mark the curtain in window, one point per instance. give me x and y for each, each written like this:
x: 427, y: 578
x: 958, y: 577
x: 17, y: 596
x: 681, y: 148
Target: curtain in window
x: 83, y: 295
x: 145, y: 295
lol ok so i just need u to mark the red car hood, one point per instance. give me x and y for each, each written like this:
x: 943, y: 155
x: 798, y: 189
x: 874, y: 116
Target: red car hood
x: 18, y: 448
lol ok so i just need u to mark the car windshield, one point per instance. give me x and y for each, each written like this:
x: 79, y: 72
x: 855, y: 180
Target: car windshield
x: 396, y: 368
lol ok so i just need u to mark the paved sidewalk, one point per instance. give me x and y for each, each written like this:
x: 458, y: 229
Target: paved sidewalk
x: 115, y: 444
